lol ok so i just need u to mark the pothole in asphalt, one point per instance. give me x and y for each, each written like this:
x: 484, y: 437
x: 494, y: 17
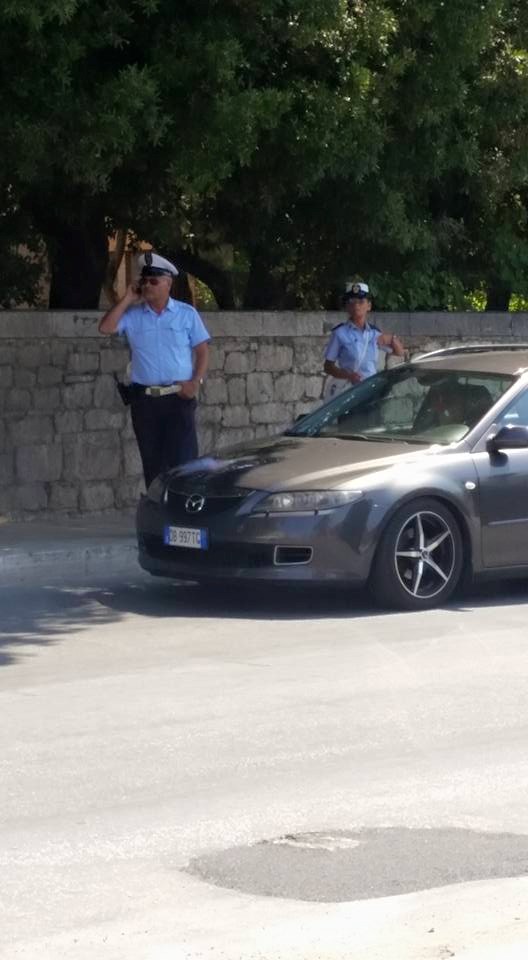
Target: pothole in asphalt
x: 336, y: 866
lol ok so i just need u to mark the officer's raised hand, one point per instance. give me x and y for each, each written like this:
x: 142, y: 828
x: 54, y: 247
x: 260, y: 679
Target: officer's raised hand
x: 131, y: 297
x: 133, y: 294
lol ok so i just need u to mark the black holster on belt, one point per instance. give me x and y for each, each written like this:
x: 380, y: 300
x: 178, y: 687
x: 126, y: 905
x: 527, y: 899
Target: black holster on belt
x: 125, y: 390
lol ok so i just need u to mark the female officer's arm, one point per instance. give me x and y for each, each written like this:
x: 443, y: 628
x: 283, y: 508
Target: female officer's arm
x: 331, y: 354
x: 392, y: 341
x: 339, y: 373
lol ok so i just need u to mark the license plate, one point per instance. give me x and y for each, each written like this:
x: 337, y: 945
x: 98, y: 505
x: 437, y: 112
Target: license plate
x: 186, y: 537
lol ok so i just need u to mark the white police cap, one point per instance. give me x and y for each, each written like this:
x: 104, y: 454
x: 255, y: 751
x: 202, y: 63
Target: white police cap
x: 152, y: 265
x: 359, y: 290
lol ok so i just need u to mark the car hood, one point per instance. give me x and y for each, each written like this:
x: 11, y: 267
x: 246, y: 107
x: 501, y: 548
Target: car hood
x: 314, y: 463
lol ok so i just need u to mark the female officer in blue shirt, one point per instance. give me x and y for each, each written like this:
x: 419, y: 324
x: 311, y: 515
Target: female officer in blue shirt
x: 169, y: 347
x: 353, y: 350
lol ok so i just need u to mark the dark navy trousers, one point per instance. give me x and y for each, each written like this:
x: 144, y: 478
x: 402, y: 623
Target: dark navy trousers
x: 165, y: 431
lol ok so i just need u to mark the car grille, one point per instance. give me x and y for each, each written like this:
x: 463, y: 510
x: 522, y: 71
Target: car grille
x: 218, y: 555
x: 213, y: 504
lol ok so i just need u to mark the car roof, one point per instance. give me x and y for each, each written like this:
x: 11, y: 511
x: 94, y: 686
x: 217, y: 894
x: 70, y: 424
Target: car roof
x: 487, y: 359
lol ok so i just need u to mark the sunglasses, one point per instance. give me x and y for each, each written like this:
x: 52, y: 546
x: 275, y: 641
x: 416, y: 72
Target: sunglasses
x: 152, y: 280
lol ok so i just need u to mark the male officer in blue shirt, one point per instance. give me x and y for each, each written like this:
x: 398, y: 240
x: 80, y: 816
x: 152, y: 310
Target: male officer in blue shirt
x: 353, y: 350
x: 169, y: 347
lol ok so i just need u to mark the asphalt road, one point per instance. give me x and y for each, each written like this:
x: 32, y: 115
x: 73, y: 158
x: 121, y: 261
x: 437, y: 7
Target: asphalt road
x: 188, y: 776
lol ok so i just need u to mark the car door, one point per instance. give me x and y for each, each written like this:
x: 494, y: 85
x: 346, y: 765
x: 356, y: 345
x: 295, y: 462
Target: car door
x: 503, y: 483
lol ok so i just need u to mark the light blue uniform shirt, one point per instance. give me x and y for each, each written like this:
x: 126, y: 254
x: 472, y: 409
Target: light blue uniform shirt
x: 162, y: 343
x: 354, y: 349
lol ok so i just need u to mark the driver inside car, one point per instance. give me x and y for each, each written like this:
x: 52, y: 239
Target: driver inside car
x: 452, y: 403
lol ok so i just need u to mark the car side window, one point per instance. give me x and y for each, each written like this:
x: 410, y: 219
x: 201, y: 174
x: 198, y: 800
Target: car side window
x: 517, y: 412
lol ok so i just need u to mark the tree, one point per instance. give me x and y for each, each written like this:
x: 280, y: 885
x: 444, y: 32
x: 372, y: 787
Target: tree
x: 79, y: 108
x: 144, y: 99
x: 441, y: 207
x: 272, y: 147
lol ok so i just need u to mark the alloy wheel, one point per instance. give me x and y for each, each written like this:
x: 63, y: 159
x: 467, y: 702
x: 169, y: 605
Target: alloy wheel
x: 425, y: 554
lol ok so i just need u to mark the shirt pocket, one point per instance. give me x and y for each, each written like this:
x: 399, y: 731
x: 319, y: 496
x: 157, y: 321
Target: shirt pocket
x: 177, y: 334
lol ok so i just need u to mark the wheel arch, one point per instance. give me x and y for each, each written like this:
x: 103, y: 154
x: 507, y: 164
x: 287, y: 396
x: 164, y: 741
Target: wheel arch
x: 447, y: 501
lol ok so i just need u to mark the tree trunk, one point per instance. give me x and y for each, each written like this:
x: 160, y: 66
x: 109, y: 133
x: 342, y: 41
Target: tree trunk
x: 498, y: 296
x: 263, y: 290
x: 183, y: 288
x: 78, y: 265
x: 77, y: 245
x: 218, y: 281
x: 115, y: 258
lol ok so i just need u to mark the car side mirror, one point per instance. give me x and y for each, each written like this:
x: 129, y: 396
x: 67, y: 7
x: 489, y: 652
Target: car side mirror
x: 507, y: 438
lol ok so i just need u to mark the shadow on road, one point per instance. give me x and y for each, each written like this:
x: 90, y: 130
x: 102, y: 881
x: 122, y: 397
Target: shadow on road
x: 39, y: 615
x: 160, y: 598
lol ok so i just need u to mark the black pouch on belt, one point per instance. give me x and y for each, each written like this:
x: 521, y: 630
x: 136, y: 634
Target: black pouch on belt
x: 125, y: 390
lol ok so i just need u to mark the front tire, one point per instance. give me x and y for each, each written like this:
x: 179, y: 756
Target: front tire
x: 419, y: 558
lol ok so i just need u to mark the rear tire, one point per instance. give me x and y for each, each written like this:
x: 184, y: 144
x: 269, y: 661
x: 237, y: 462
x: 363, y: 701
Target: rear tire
x: 419, y: 559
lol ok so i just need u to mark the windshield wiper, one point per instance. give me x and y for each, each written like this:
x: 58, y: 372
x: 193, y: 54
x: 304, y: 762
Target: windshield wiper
x: 371, y: 437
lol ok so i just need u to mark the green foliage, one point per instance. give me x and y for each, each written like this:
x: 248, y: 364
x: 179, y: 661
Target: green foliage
x: 287, y: 143
x: 21, y: 256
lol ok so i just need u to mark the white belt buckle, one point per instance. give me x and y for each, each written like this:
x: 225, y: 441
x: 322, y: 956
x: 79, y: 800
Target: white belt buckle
x: 163, y: 391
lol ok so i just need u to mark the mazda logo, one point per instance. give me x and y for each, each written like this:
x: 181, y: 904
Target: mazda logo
x: 195, y: 503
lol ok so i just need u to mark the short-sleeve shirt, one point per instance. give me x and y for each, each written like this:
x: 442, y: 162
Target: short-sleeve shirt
x: 355, y: 349
x: 161, y: 344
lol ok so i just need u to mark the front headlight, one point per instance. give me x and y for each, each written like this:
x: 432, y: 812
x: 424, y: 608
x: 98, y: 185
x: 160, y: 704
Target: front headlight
x: 156, y: 490
x: 306, y: 501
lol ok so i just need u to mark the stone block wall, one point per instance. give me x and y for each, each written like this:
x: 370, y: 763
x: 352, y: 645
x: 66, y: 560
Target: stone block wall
x: 66, y: 441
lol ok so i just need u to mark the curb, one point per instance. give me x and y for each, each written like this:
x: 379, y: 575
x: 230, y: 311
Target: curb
x: 56, y: 563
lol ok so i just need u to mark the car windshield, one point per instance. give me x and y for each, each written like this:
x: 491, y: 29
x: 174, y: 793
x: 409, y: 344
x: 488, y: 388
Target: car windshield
x: 408, y: 403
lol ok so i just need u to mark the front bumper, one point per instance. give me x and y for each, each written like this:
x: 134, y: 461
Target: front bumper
x: 248, y: 547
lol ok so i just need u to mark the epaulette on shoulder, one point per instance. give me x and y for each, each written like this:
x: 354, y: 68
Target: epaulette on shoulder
x: 337, y: 326
x: 374, y: 327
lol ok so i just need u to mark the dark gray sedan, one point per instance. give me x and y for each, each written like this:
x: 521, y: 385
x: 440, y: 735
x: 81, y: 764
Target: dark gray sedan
x: 404, y: 483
